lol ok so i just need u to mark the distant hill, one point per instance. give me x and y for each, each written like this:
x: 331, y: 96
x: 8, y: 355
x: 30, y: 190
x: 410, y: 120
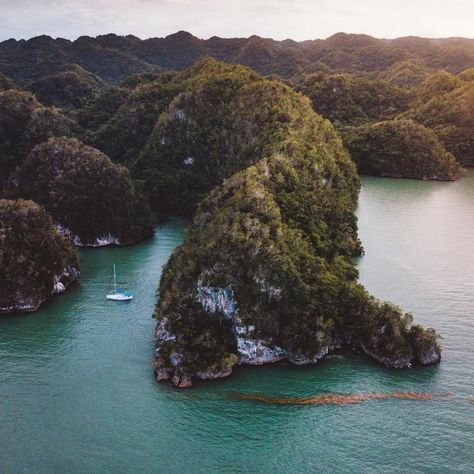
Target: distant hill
x: 113, y: 58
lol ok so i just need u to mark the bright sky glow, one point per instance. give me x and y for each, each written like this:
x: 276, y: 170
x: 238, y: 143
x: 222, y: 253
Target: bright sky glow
x: 279, y: 19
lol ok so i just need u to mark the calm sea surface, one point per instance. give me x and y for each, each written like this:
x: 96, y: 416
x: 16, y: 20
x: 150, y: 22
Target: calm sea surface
x: 77, y: 392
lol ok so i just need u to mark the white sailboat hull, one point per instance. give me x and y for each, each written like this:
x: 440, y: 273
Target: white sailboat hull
x: 119, y: 297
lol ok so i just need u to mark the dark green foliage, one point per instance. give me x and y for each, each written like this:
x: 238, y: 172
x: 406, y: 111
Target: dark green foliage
x: 105, y: 59
x: 347, y: 99
x: 6, y: 83
x: 128, y: 122
x: 69, y: 88
x: 101, y: 108
x: 451, y: 115
x: 120, y: 120
x: 84, y: 191
x: 114, y: 58
x: 277, y: 237
x: 423, y: 341
x: 24, y: 122
x: 407, y: 73
x: 33, y: 256
x: 193, y: 149
x: 436, y: 85
x: 400, y: 148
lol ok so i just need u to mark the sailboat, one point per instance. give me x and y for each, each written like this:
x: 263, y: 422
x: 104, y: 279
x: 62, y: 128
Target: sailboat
x: 119, y: 295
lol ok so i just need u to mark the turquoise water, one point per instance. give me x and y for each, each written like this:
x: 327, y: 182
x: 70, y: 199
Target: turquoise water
x: 78, y: 395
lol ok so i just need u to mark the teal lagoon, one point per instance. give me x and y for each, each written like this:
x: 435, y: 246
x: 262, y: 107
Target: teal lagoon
x: 78, y: 393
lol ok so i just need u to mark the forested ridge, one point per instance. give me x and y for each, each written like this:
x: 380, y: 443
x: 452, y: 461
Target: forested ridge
x: 403, y: 61
x: 109, y: 133
x: 108, y: 85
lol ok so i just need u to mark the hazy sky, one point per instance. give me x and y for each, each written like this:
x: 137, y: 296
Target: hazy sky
x: 297, y: 19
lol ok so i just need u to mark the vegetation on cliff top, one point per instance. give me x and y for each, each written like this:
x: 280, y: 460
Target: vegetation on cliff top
x: 222, y: 120
x: 35, y: 260
x: 405, y: 61
x: 84, y: 191
x: 276, y: 239
x: 352, y: 80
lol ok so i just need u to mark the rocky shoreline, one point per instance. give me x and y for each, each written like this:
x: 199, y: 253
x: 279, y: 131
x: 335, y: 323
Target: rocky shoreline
x: 30, y: 303
x: 255, y: 351
x: 179, y: 379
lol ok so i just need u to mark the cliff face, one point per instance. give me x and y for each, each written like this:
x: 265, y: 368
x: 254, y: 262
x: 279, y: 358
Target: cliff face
x: 266, y: 271
x: 36, y: 262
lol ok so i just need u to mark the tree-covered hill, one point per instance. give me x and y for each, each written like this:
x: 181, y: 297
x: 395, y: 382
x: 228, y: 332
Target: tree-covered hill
x: 266, y: 269
x: 400, y: 148
x: 450, y: 113
x: 24, y: 123
x: 91, y: 197
x: 220, y: 121
x: 69, y: 88
x: 350, y: 99
x: 36, y: 261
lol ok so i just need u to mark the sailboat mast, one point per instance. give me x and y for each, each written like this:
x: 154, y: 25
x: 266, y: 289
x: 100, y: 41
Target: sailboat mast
x: 115, y: 286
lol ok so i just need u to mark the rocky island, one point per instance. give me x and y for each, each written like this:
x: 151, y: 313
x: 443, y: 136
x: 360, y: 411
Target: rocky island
x: 36, y: 261
x: 266, y: 271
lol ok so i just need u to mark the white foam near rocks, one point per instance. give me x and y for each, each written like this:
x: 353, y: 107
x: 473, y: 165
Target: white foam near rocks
x: 101, y: 241
x: 107, y: 239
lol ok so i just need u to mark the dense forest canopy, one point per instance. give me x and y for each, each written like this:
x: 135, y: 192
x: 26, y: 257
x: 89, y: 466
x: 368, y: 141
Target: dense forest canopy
x: 85, y: 192
x: 114, y: 88
x: 399, y: 148
x: 24, y: 123
x: 266, y: 267
x: 114, y: 58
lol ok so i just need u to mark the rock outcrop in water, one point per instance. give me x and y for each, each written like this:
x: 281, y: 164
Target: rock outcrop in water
x: 35, y: 260
x: 266, y: 270
x: 94, y: 201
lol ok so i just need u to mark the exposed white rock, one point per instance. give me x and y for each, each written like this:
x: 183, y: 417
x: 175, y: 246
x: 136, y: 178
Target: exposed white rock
x: 178, y: 114
x: 102, y: 241
x: 428, y: 357
x: 188, y: 161
x: 265, y: 287
x: 68, y: 233
x: 216, y: 300
x: 23, y: 307
x: 299, y: 359
x: 211, y: 375
x: 256, y: 352
x: 58, y: 287
x: 162, y: 334
x: 396, y: 363
x: 175, y: 358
